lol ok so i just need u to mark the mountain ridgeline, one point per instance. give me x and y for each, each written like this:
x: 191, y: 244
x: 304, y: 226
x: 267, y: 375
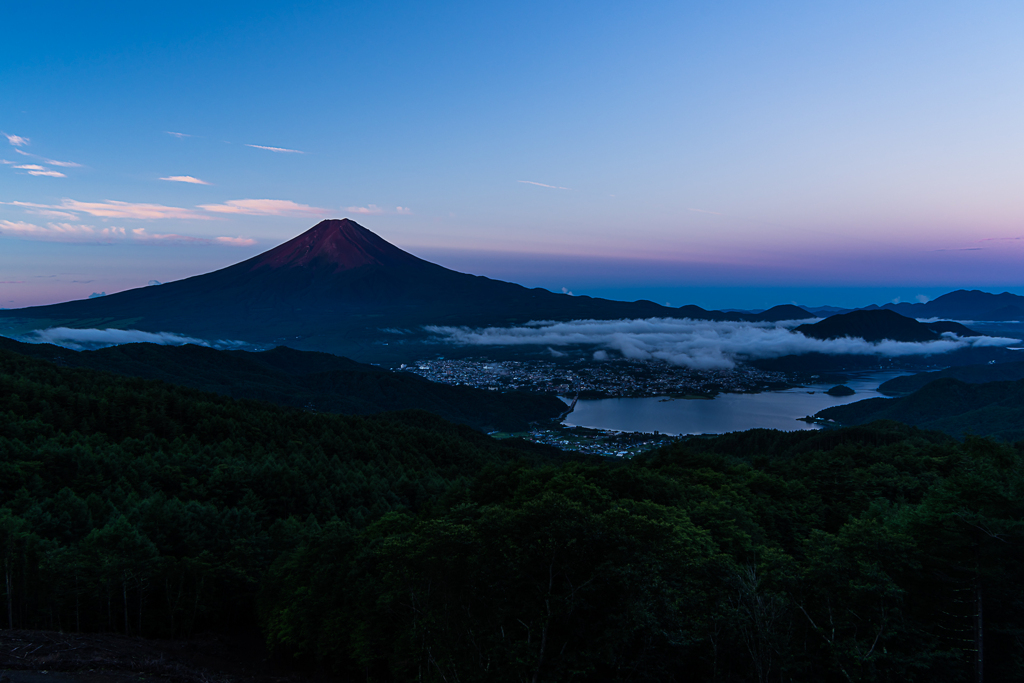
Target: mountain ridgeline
x: 966, y: 305
x: 340, y: 288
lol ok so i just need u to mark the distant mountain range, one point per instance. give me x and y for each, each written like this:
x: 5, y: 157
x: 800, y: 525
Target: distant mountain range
x: 339, y: 287
x: 303, y: 379
x: 965, y: 305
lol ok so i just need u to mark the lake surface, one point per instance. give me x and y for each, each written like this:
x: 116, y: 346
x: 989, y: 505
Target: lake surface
x: 724, y: 413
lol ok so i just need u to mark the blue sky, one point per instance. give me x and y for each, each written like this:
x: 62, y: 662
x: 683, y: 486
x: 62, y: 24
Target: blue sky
x: 725, y: 154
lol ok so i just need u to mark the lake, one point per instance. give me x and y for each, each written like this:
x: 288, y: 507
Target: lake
x: 724, y: 413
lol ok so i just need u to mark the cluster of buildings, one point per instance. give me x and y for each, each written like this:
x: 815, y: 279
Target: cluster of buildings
x: 596, y: 379
x: 598, y: 441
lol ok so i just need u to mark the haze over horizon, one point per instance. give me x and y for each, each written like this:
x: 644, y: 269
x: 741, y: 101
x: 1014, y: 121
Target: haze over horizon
x: 674, y: 152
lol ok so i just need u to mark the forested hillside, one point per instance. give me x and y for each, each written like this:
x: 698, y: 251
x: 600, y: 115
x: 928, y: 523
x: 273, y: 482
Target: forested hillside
x: 306, y: 379
x: 994, y: 409
x: 136, y: 506
x: 972, y: 374
x: 403, y: 548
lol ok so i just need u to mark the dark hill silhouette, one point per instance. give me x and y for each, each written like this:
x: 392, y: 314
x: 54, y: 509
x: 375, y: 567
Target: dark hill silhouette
x: 879, y: 324
x: 338, y: 287
x: 966, y: 305
x: 994, y: 409
x: 970, y: 374
x: 304, y: 379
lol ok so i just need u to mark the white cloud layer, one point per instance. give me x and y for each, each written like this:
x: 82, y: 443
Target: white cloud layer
x: 60, y: 232
x: 95, y: 339
x: 695, y: 344
x: 78, y: 232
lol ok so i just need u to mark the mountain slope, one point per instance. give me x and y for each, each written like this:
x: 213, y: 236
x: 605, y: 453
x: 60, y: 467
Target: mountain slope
x: 339, y: 287
x: 994, y: 409
x: 302, y: 379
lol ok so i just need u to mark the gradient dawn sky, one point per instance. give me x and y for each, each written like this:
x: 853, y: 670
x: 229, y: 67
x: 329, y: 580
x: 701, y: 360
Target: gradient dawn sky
x: 718, y: 153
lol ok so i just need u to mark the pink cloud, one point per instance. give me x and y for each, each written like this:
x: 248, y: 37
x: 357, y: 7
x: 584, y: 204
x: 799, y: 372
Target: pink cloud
x: 35, y: 169
x: 185, y: 179
x: 16, y: 140
x: 265, y: 207
x: 62, y: 164
x: 116, y: 209
x: 236, y: 241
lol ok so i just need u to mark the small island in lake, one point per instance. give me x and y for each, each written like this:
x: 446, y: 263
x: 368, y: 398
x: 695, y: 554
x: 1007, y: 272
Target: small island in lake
x: 840, y: 390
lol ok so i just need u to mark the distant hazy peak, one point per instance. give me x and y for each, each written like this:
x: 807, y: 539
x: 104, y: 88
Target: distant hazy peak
x: 337, y: 245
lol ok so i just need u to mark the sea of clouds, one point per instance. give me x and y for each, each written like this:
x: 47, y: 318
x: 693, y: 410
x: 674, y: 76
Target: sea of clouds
x: 87, y: 339
x: 695, y: 344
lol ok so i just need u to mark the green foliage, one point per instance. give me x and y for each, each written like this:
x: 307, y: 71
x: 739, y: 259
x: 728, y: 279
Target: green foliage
x: 136, y: 506
x: 407, y: 548
x: 994, y: 409
x: 852, y: 555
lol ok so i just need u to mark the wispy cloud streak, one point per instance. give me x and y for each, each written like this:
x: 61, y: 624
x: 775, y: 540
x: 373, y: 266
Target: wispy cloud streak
x: 185, y: 179
x: 115, y: 209
x: 60, y: 232
x: 282, y: 150
x: 265, y: 207
x: 79, y: 233
x: 552, y: 187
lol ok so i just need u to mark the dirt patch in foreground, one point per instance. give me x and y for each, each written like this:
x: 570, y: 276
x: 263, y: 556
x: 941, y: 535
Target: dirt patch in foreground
x: 51, y: 657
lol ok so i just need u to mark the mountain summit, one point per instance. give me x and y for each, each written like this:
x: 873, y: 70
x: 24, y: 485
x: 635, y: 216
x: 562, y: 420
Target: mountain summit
x: 338, y: 244
x: 340, y: 288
